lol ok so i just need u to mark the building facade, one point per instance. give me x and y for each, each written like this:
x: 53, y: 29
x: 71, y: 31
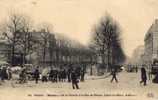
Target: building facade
x: 151, y: 44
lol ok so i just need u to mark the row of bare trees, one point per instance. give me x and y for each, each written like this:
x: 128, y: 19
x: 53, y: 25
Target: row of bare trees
x: 47, y: 48
x: 18, y: 30
x: 41, y: 46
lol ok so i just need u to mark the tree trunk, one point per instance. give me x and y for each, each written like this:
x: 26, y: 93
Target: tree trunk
x: 44, y: 53
x: 13, y: 50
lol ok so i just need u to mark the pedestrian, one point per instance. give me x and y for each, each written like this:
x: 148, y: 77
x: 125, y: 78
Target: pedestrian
x: 74, y: 80
x: 44, y: 75
x: 63, y: 75
x: 55, y: 75
x: 22, y: 75
x: 78, y: 72
x: 136, y: 69
x: 113, y: 73
x: 4, y: 75
x: 143, y: 76
x: 69, y: 74
x: 82, y: 74
x: 59, y: 75
x: 51, y: 74
x: 36, y: 75
x: 9, y: 73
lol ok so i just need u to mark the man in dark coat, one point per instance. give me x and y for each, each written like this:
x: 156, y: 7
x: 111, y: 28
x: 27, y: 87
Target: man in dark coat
x: 4, y: 73
x: 69, y: 74
x: 63, y: 75
x: 143, y: 76
x: 60, y: 75
x: 22, y: 75
x: 36, y: 75
x: 113, y: 73
x: 55, y: 75
x: 51, y: 73
x: 74, y: 80
x: 82, y: 74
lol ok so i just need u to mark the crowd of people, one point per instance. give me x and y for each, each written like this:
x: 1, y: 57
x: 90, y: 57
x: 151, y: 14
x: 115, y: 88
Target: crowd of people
x: 70, y: 74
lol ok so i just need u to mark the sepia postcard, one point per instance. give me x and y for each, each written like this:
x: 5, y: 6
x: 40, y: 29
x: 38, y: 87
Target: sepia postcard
x: 78, y: 50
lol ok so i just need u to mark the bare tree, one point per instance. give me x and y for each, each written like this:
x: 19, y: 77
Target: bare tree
x: 106, y: 37
x: 16, y: 30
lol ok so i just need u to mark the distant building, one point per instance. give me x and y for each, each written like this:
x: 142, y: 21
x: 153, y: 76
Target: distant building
x: 151, y: 43
x: 48, y: 48
x: 137, y: 56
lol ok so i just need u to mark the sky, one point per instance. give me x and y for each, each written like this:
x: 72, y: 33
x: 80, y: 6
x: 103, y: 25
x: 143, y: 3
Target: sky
x: 76, y: 18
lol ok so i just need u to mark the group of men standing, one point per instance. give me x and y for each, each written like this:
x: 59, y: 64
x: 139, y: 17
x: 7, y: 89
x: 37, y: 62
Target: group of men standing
x: 71, y: 74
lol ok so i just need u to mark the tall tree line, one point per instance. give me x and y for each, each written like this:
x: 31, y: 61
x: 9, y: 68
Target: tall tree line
x: 24, y: 40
